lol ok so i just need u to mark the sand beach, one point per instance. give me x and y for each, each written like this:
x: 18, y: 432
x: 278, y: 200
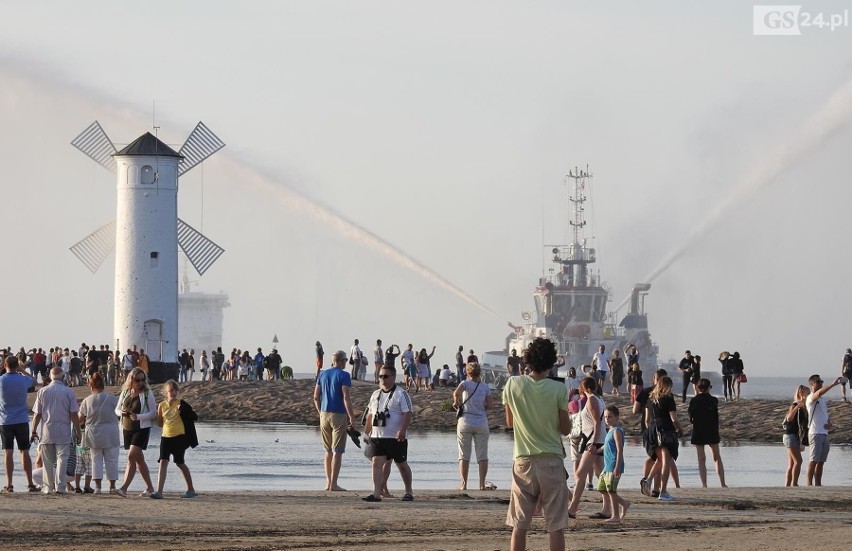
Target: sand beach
x: 739, y: 519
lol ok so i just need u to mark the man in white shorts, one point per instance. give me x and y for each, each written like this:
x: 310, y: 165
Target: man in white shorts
x: 818, y: 427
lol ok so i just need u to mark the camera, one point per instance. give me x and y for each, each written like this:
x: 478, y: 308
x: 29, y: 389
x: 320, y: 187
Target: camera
x: 381, y: 417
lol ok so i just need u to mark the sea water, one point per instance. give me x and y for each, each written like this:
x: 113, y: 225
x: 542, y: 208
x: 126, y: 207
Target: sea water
x: 239, y: 456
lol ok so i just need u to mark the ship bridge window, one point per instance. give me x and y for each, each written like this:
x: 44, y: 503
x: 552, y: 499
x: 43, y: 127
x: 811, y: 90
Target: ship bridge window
x: 541, y: 305
x: 582, y: 310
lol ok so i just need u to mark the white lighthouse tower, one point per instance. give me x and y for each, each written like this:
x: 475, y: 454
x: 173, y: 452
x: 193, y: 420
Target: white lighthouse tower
x: 146, y: 248
x: 146, y: 235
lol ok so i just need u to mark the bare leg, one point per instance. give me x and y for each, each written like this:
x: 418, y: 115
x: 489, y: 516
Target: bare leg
x: 405, y: 473
x: 336, y: 461
x: 385, y: 476
x: 161, y: 475
x: 379, y: 462
x: 10, y: 465
x: 483, y: 472
x: 818, y: 474
x: 464, y: 468
x: 187, y: 477
x: 720, y: 468
x: 519, y: 540
x: 702, y: 467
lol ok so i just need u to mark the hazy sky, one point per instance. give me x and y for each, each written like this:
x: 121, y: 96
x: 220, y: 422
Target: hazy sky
x: 445, y: 130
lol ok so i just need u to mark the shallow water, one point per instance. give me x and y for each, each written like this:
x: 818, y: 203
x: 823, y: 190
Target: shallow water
x: 277, y: 456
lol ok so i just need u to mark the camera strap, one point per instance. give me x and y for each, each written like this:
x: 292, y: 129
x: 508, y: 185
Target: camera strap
x: 387, y: 402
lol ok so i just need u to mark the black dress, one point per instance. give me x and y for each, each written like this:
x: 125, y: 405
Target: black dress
x: 704, y: 414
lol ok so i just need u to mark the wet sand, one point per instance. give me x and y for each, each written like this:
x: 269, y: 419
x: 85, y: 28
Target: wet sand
x: 736, y: 519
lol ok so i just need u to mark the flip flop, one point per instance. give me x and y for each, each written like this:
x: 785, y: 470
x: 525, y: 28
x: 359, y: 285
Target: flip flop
x: 372, y: 499
x: 408, y: 497
x: 598, y: 515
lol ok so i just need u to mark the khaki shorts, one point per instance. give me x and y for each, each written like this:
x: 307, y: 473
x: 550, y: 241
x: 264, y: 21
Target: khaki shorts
x: 472, y: 435
x: 538, y: 479
x: 333, y: 430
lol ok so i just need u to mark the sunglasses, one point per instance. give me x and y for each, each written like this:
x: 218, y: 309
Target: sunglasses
x: 385, y: 376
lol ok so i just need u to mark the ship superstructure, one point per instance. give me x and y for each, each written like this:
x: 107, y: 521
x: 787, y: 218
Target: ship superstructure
x: 571, y: 300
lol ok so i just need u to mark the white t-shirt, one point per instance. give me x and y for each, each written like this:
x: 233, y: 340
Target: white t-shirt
x: 818, y: 414
x: 355, y: 354
x: 445, y: 374
x: 602, y: 360
x: 394, y: 404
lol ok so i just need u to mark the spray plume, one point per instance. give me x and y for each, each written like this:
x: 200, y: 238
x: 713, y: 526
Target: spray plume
x: 833, y: 116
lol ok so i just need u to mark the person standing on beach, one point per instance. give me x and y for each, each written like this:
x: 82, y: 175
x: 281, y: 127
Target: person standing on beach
x: 388, y: 416
x: 273, y: 364
x: 178, y: 421
x: 613, y: 458
x: 600, y: 363
x: 391, y: 356
x: 56, y: 410
x: 737, y: 374
x: 818, y: 426
x: 727, y: 377
x: 320, y: 354
x: 616, y: 365
x: 408, y: 367
x: 15, y: 419
x: 356, y: 359
x: 662, y: 411
x: 258, y: 364
x: 331, y: 400
x: 685, y: 368
x: 513, y: 364
x: 846, y: 371
x: 537, y: 410
x: 379, y: 360
x: 704, y: 416
x: 137, y: 409
x: 460, y: 364
x: 796, y: 435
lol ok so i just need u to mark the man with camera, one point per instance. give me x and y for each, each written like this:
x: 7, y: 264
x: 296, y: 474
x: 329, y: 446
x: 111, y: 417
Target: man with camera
x: 388, y: 417
x: 331, y: 398
x: 818, y: 426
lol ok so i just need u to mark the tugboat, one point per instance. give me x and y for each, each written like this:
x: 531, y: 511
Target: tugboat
x: 571, y: 303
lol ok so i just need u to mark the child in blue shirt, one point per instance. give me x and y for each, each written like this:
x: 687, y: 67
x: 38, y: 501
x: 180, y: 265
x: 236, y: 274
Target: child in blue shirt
x: 613, y: 467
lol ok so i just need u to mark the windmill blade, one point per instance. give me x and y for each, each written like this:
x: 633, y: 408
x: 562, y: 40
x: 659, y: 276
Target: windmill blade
x: 93, y: 249
x: 200, y: 251
x: 198, y: 146
x: 94, y: 142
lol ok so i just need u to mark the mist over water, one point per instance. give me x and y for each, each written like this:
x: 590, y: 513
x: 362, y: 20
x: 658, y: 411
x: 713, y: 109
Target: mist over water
x: 815, y: 131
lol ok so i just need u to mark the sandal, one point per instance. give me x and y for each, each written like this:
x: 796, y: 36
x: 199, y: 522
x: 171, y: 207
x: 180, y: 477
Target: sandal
x: 33, y: 488
x: 372, y: 499
x: 598, y: 515
x: 408, y: 497
x: 8, y: 490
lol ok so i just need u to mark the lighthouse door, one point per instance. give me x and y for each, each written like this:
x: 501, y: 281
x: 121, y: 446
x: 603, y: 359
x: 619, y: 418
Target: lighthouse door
x: 154, y: 340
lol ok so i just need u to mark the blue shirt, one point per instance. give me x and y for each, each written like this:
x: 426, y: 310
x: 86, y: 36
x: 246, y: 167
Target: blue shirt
x: 610, y: 452
x: 331, y: 383
x: 13, y: 398
x: 258, y: 360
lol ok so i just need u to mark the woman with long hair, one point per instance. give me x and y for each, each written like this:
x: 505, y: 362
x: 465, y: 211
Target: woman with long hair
x: 473, y: 399
x: 663, y: 412
x: 424, y: 369
x: 796, y: 435
x: 137, y: 408
x: 97, y: 414
x: 591, y: 450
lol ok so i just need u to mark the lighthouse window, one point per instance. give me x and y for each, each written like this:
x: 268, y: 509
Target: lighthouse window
x: 148, y: 175
x: 155, y: 258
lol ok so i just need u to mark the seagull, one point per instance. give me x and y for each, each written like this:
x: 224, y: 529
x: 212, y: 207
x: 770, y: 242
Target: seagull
x: 276, y: 440
x: 210, y: 441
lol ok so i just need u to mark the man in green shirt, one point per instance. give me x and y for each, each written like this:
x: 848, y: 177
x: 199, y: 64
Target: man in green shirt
x: 537, y: 410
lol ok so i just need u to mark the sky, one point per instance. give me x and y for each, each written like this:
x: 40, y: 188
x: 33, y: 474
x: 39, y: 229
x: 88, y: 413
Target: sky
x: 393, y: 169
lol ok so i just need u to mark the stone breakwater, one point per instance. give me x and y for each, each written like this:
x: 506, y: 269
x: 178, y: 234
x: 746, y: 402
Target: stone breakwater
x: 292, y: 402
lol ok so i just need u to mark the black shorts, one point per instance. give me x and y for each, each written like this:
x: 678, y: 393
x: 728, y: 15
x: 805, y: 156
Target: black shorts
x: 138, y: 438
x: 19, y: 432
x: 390, y: 448
x: 173, y: 446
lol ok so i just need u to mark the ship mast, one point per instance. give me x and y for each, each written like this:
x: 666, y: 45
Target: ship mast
x: 576, y: 258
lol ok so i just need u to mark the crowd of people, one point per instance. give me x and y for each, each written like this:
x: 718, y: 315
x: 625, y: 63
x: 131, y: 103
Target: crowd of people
x: 80, y: 442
